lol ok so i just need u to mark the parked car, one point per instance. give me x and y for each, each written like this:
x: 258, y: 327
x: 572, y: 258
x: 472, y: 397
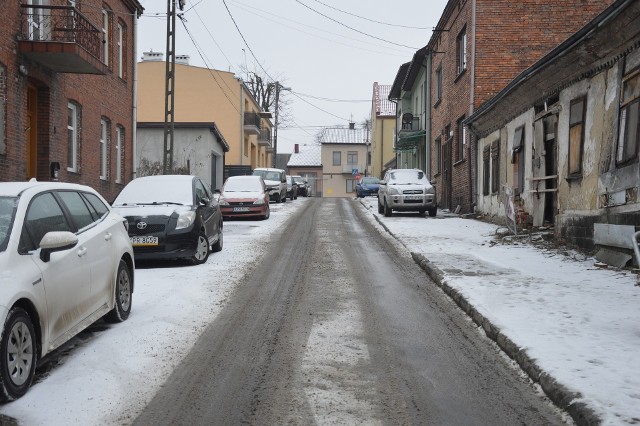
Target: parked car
x: 244, y: 196
x: 292, y: 188
x: 406, y: 190
x: 276, y: 181
x: 368, y: 185
x: 171, y: 217
x: 303, y: 186
x: 65, y: 262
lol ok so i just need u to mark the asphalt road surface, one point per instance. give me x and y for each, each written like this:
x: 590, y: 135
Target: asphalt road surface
x: 337, y: 325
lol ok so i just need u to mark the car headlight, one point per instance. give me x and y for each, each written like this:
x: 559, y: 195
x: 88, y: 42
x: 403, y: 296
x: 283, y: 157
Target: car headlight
x: 186, y: 219
x: 258, y: 202
x: 223, y: 202
x: 393, y: 191
x: 430, y: 190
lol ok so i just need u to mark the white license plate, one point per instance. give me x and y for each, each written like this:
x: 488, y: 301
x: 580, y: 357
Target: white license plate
x: 144, y: 241
x: 241, y: 209
x: 412, y: 197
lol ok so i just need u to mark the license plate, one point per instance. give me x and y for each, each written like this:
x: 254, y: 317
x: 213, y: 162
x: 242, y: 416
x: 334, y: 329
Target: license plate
x: 144, y: 241
x: 412, y: 197
x: 241, y: 209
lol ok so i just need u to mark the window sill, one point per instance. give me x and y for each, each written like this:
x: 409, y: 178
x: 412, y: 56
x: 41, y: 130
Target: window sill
x: 438, y: 102
x: 463, y: 72
x: 574, y: 178
x: 626, y: 163
x: 457, y: 163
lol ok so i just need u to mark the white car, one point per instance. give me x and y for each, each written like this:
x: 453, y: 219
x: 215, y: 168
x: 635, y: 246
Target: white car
x: 65, y: 262
x: 406, y: 190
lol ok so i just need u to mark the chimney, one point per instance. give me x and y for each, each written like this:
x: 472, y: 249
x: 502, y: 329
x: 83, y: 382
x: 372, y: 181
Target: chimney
x: 296, y: 149
x: 152, y: 56
x: 182, y: 59
x: 352, y: 126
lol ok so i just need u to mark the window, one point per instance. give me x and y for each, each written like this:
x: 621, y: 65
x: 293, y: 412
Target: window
x: 486, y: 171
x: 438, y: 155
x: 39, y: 23
x: 629, y: 132
x: 3, y: 101
x: 106, y: 36
x: 439, y: 84
x: 72, y: 137
x: 44, y: 215
x: 97, y: 204
x: 461, y: 51
x: 352, y: 158
x: 119, y: 152
x: 461, y: 142
x: 351, y: 185
x: 337, y: 158
x: 104, y: 148
x: 80, y: 213
x: 517, y: 159
x: 122, y: 50
x: 576, y: 136
x: 495, y: 167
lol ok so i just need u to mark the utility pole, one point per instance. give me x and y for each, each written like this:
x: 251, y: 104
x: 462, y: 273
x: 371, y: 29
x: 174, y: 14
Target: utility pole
x: 275, y: 126
x: 169, y: 101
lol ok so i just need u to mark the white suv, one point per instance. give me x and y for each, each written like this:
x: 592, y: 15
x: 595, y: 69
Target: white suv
x: 406, y: 190
x: 276, y: 182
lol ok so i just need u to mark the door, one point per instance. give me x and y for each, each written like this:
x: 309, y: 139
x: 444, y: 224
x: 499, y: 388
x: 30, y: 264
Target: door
x: 551, y: 164
x: 446, y: 175
x: 32, y: 132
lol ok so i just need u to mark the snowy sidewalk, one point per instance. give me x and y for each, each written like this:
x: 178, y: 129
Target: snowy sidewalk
x: 573, y: 327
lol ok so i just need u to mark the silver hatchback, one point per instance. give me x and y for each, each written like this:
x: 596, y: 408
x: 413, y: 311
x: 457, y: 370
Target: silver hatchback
x: 406, y: 190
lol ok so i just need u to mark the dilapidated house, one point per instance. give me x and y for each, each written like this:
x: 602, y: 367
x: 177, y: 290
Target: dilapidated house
x: 563, y: 138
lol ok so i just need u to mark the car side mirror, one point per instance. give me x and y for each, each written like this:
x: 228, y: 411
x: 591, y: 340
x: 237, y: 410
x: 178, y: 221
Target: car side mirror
x: 217, y: 191
x: 204, y: 201
x: 54, y: 241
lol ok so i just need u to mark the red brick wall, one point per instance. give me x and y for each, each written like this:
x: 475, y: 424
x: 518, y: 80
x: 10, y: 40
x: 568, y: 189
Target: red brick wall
x: 509, y: 37
x: 98, y: 95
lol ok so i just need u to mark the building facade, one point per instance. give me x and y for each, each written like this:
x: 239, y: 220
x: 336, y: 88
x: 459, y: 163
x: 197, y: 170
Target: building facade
x: 383, y: 121
x: 67, y: 72
x: 306, y: 161
x: 204, y: 95
x: 344, y: 153
x: 563, y: 138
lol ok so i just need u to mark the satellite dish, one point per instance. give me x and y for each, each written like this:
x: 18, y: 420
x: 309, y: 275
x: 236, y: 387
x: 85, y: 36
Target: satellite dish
x: 407, y: 118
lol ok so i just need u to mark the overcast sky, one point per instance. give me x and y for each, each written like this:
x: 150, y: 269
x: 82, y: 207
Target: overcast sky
x: 307, y: 45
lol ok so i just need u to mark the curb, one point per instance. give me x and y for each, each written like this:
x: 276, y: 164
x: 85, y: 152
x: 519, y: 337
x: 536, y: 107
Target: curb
x: 560, y: 395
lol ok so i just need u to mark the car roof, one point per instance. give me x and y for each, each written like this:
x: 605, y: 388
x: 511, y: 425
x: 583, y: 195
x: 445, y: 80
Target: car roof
x: 166, y: 178
x: 270, y: 169
x: 16, y: 188
x: 247, y: 177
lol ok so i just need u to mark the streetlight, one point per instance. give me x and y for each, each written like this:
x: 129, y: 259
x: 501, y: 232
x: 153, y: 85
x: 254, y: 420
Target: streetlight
x: 275, y: 126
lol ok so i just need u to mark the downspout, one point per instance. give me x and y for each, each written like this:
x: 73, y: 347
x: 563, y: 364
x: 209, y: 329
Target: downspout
x: 427, y: 114
x: 395, y: 131
x: 381, y: 149
x: 241, y: 125
x: 134, y: 139
x: 473, y: 153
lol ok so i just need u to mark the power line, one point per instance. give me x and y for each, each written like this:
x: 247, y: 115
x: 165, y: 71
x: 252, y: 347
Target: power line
x: 334, y: 100
x: 372, y: 20
x: 351, y: 28
x: 211, y: 35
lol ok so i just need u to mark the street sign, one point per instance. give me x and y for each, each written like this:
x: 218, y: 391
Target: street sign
x: 354, y: 172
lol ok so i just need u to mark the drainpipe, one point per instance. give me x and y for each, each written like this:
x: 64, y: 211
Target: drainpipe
x: 427, y: 114
x: 473, y: 153
x: 395, y: 101
x: 134, y: 121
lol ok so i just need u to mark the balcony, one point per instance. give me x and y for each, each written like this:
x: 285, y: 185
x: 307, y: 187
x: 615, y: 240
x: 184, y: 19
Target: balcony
x: 251, y: 123
x: 349, y: 168
x: 61, y: 39
x: 264, y: 138
x: 410, y: 135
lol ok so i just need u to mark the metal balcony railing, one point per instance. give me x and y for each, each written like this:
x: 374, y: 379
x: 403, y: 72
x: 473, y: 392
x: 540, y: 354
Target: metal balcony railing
x: 62, y: 24
x: 251, y: 119
x: 265, y: 136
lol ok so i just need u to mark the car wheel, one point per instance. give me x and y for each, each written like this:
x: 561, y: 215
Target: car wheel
x: 387, y: 209
x: 422, y: 212
x: 202, y: 250
x: 433, y: 212
x: 217, y: 247
x: 122, y: 308
x: 283, y: 198
x: 380, y: 208
x: 18, y: 355
x: 267, y: 214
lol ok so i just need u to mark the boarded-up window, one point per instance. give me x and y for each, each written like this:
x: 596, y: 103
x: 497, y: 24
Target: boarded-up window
x: 576, y: 136
x: 495, y: 167
x: 629, y: 132
x: 486, y: 171
x: 517, y: 159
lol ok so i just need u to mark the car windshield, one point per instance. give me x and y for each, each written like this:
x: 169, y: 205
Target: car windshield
x: 7, y: 211
x: 267, y: 174
x: 162, y: 191
x: 298, y: 180
x: 401, y: 177
x: 242, y: 185
x: 369, y: 181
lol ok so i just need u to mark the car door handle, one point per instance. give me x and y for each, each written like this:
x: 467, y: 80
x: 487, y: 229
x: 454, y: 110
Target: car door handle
x: 107, y: 236
x: 82, y: 251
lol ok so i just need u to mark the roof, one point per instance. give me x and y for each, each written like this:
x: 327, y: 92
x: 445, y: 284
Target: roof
x: 384, y: 107
x: 335, y: 135
x: 596, y: 47
x: 396, y: 87
x: 308, y: 155
x: 212, y: 126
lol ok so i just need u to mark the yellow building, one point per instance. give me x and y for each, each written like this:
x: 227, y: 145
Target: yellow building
x: 205, y: 96
x: 344, y: 155
x: 383, y: 123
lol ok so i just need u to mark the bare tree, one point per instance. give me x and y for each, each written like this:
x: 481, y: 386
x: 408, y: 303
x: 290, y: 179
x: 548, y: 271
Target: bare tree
x: 264, y: 92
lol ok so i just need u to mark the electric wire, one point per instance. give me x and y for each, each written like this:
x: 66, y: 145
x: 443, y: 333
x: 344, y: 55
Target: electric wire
x: 372, y: 20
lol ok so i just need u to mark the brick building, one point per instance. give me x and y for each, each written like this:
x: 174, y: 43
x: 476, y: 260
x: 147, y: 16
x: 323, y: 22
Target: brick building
x: 476, y: 49
x: 67, y: 92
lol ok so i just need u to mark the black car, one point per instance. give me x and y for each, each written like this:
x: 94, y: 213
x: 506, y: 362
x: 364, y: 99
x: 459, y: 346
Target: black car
x: 292, y: 188
x: 171, y: 217
x: 303, y: 186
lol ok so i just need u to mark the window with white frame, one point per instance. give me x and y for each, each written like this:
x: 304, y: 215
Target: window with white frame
x: 106, y: 36
x: 104, y: 148
x: 119, y: 153
x: 351, y: 185
x: 337, y: 158
x: 629, y: 132
x: 461, y: 51
x: 72, y: 137
x: 352, y: 158
x: 462, y: 140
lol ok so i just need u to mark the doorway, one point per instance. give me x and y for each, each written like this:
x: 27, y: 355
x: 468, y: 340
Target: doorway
x: 446, y: 175
x: 32, y: 132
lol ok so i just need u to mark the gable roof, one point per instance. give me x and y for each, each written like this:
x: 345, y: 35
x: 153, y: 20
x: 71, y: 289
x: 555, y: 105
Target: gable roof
x: 307, y: 155
x: 396, y: 87
x: 341, y: 135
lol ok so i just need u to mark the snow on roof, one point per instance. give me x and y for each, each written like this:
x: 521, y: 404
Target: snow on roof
x: 384, y: 107
x: 343, y: 135
x: 308, y: 155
